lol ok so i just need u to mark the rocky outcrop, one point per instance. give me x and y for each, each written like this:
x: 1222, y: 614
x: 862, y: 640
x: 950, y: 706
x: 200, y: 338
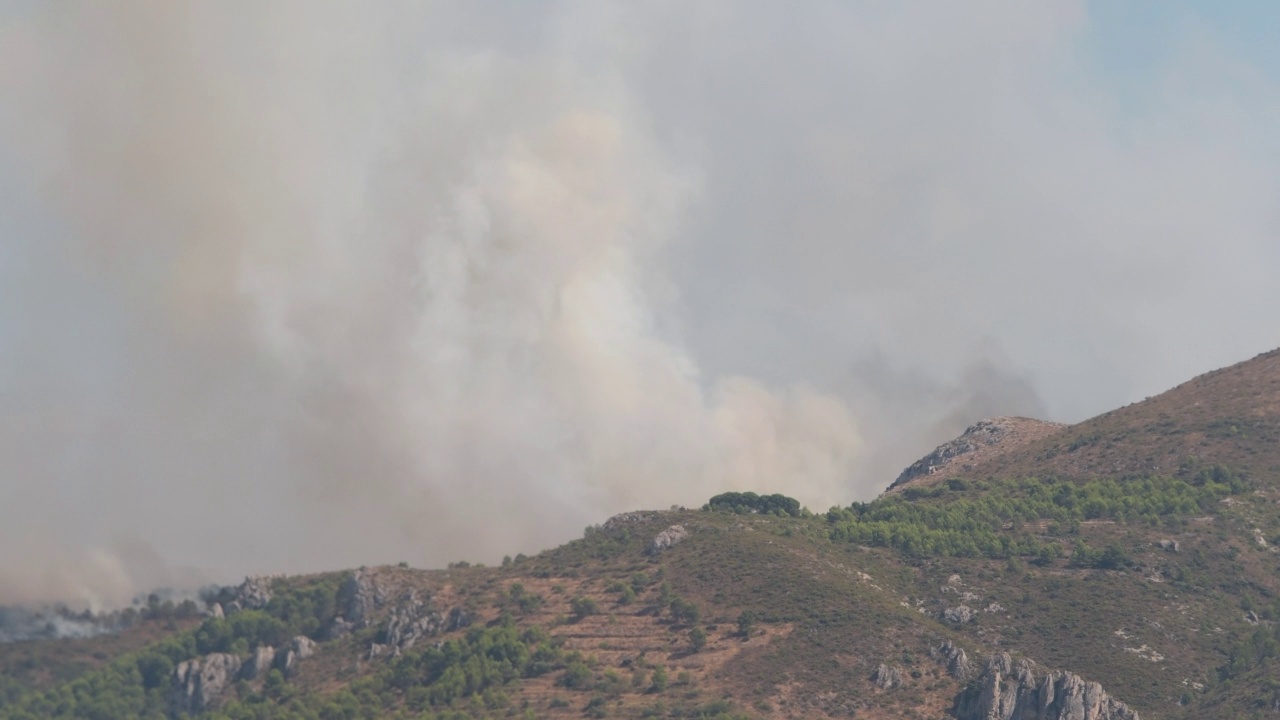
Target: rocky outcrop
x: 197, y: 685
x: 358, y: 597
x: 457, y: 619
x: 259, y: 663
x: 410, y: 620
x: 982, y: 440
x: 887, y: 677
x: 960, y: 614
x: 955, y: 660
x: 1019, y: 690
x: 300, y: 648
x: 254, y: 593
x: 1170, y: 545
x: 668, y: 538
x: 629, y: 519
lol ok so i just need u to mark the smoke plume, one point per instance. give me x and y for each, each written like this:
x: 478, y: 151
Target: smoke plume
x: 357, y: 299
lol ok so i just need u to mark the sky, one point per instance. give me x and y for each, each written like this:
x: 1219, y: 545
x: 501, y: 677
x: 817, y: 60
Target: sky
x: 294, y: 286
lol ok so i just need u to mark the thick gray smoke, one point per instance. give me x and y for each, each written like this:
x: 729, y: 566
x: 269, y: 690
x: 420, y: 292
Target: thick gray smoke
x: 290, y: 286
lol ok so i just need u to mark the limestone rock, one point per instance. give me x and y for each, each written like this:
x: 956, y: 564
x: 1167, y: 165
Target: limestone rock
x: 358, y: 597
x: 960, y: 614
x: 340, y: 627
x: 300, y: 648
x: 457, y: 619
x: 303, y: 646
x: 985, y: 438
x: 668, y: 538
x: 1010, y: 690
x: 1170, y: 545
x: 198, y: 684
x: 627, y: 519
x: 410, y: 620
x: 259, y: 663
x: 254, y: 593
x: 955, y: 660
x: 887, y: 677
x: 377, y: 650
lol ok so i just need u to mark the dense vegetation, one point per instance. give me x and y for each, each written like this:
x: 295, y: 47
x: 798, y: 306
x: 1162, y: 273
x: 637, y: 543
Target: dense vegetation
x: 744, y: 503
x: 989, y: 522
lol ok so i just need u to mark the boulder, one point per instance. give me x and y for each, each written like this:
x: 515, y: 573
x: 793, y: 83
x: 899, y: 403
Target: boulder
x: 668, y: 538
x: 960, y: 614
x: 303, y: 646
x: 300, y: 648
x: 340, y: 627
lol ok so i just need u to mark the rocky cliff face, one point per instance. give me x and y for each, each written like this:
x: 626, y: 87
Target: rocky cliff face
x: 1019, y: 690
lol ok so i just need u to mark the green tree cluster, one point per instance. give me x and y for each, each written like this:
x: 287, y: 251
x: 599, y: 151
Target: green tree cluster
x: 745, y: 503
x: 987, y: 525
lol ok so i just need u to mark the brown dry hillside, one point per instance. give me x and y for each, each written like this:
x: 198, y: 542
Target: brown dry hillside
x: 1229, y: 416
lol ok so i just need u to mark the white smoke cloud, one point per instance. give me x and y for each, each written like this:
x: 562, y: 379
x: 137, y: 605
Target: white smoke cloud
x: 291, y: 286
x: 368, y: 301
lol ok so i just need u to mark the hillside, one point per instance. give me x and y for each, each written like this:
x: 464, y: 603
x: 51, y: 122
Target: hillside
x: 1125, y: 567
x: 1229, y: 416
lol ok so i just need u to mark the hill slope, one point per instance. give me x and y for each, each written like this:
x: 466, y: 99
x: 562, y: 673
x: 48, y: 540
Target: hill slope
x: 1229, y: 416
x: 1136, y: 550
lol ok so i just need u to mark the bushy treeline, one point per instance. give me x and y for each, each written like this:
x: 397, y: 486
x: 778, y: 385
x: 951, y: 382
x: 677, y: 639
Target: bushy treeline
x: 744, y: 503
x: 987, y: 523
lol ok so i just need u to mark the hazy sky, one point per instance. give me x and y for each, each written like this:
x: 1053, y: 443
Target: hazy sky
x: 292, y: 286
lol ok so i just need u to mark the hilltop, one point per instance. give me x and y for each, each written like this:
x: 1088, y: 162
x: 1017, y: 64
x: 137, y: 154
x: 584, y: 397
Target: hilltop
x: 1121, y: 568
x: 1229, y: 416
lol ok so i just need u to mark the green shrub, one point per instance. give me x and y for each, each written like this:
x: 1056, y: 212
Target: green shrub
x: 583, y: 606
